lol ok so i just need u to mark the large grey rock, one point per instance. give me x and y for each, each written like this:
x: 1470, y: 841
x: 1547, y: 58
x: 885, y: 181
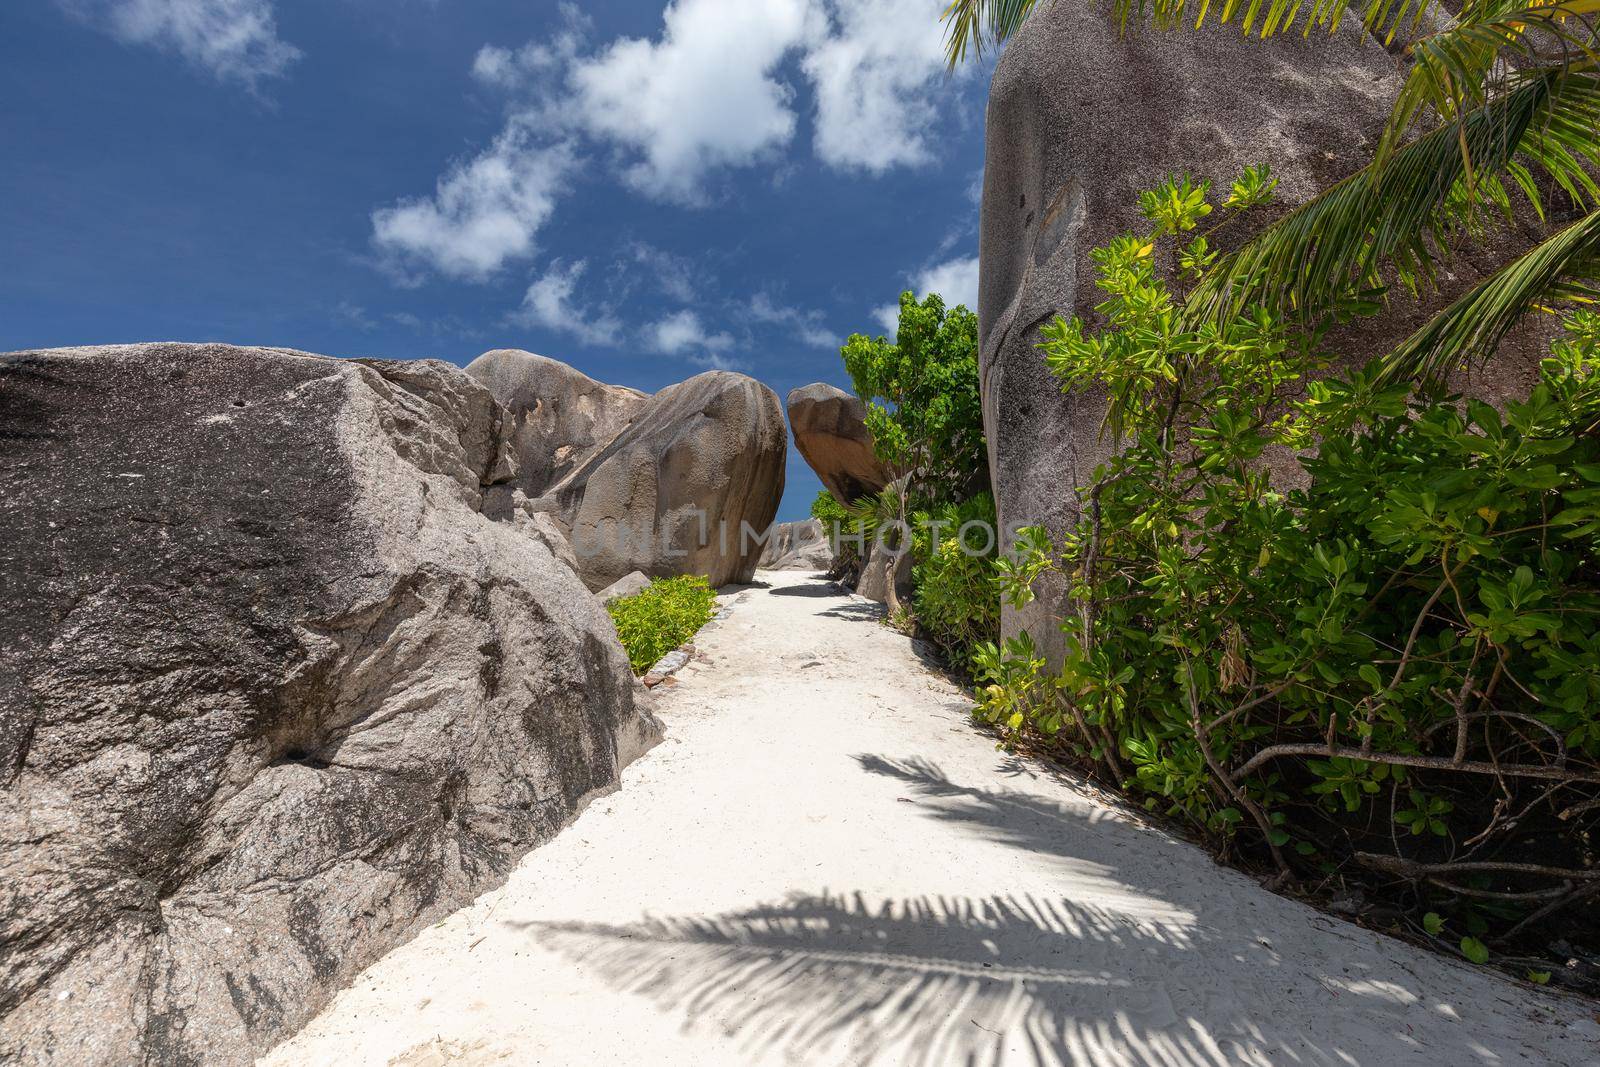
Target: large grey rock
x: 559, y: 416
x: 628, y: 585
x: 674, y: 492
x: 795, y: 546
x: 274, y: 694
x: 830, y: 430
x: 882, y: 570
x: 1080, y: 119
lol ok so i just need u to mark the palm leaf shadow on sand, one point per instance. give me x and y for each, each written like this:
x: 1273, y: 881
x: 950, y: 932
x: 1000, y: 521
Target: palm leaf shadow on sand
x: 1021, y: 978
x: 930, y: 980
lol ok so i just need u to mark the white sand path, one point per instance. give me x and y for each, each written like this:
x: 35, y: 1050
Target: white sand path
x: 825, y: 863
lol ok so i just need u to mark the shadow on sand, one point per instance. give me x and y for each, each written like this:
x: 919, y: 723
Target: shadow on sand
x: 1172, y: 979
x: 818, y: 588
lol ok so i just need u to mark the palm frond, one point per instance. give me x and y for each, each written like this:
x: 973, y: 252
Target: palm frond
x: 1461, y: 67
x: 1402, y: 214
x: 1561, y: 269
x: 969, y: 23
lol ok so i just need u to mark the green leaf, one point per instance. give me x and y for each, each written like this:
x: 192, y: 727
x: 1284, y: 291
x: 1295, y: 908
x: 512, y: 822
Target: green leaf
x: 1433, y: 922
x: 1475, y: 950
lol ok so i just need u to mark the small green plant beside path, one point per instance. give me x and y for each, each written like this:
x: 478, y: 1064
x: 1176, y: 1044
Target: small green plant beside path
x: 661, y: 618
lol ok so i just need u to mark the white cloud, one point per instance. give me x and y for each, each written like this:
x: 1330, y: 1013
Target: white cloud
x: 233, y: 40
x: 674, y: 274
x: 956, y: 280
x: 549, y: 303
x: 712, y: 361
x: 683, y: 331
x: 355, y: 315
x: 483, y: 213
x: 537, y: 62
x: 701, y: 96
x: 807, y: 325
x: 875, y: 80
x: 705, y: 93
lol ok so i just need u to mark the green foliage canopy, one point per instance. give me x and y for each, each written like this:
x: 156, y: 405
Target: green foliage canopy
x: 921, y: 392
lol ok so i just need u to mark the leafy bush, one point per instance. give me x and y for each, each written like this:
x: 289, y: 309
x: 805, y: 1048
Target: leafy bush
x: 924, y: 412
x: 956, y: 598
x: 836, y: 522
x: 922, y: 399
x: 1395, y: 665
x: 662, y: 617
x: 828, y: 511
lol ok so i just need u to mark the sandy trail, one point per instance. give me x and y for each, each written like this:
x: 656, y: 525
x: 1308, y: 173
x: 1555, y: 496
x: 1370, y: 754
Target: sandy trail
x: 825, y: 863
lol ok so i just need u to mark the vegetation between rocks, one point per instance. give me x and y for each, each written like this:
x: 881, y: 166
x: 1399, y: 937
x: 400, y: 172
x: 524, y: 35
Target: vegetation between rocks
x: 1392, y: 668
x: 837, y: 520
x: 1379, y: 670
x: 955, y: 594
x: 662, y: 617
x: 924, y: 411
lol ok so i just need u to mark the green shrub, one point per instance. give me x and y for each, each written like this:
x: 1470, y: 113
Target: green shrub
x: 955, y: 594
x: 923, y: 406
x: 1394, y: 667
x: 828, y: 511
x: 662, y: 617
x: 836, y: 520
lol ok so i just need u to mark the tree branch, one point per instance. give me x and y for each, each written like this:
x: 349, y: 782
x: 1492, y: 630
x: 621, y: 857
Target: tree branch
x: 1515, y: 770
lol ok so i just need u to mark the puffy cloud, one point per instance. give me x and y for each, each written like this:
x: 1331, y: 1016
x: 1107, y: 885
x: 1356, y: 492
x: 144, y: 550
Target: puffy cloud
x: 807, y: 325
x: 701, y: 96
x: 956, y: 280
x: 537, y: 63
x: 874, y: 80
x: 549, y: 303
x: 682, y: 331
x: 233, y: 40
x: 706, y: 92
x: 484, y: 211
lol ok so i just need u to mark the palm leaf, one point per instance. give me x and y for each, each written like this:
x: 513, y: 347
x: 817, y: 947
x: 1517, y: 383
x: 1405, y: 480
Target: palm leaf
x: 1402, y: 215
x: 1461, y: 67
x: 969, y: 23
x: 1562, y: 268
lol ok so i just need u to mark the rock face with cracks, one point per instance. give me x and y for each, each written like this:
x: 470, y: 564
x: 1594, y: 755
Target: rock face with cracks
x: 557, y: 415
x: 274, y: 693
x: 801, y: 545
x: 675, y: 492
x: 1081, y: 118
x: 830, y: 430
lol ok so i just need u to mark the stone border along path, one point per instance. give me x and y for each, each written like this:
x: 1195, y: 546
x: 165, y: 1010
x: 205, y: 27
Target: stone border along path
x: 826, y: 863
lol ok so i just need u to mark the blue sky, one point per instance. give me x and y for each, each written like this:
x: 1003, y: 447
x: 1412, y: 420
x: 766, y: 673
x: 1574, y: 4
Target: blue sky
x: 641, y: 190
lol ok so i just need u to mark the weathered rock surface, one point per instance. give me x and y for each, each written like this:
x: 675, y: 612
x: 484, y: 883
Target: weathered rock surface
x: 1080, y: 119
x: 881, y: 570
x: 673, y: 492
x: 559, y: 416
x: 628, y: 585
x: 274, y: 694
x: 797, y: 546
x: 830, y: 430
